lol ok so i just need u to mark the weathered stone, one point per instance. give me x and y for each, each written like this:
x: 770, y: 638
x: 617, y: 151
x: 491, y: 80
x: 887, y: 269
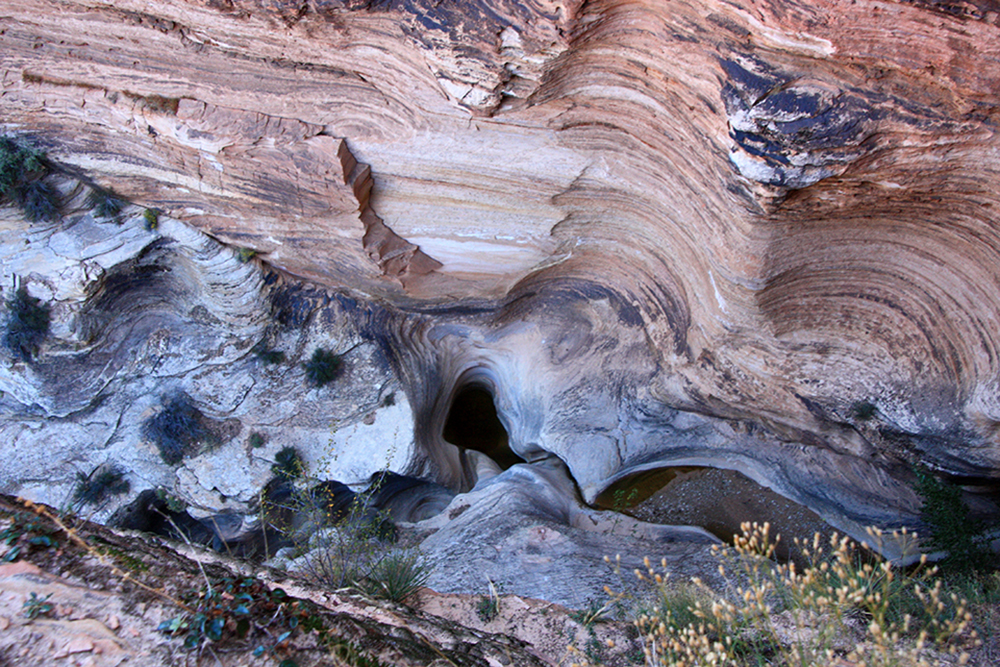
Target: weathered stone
x: 526, y: 532
x: 657, y: 234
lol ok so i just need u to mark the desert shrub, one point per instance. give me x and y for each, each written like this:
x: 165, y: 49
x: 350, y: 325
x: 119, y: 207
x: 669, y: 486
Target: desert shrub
x: 346, y: 554
x: 177, y: 429
x: 268, y: 355
x: 348, y: 544
x: 257, y: 440
x: 288, y: 464
x: 488, y: 606
x: 324, y: 367
x: 844, y: 604
x: 245, y: 254
x: 38, y: 201
x: 27, y: 324
x: 395, y: 577
x: 863, y: 410
x: 952, y: 529
x: 19, y: 165
x: 106, y: 204
x: 99, y: 485
x: 21, y: 171
x: 151, y: 219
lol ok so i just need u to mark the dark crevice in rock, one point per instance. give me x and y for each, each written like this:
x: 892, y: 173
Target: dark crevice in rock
x: 473, y: 423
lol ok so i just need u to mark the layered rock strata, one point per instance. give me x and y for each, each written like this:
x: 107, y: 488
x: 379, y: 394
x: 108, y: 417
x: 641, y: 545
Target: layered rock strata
x: 757, y: 236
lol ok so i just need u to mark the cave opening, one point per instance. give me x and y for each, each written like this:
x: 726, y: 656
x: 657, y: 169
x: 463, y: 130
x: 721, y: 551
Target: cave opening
x: 473, y: 423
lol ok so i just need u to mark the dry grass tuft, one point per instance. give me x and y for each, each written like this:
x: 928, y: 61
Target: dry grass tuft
x: 844, y: 607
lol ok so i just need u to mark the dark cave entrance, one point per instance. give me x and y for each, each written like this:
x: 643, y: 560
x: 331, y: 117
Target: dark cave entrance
x: 473, y: 423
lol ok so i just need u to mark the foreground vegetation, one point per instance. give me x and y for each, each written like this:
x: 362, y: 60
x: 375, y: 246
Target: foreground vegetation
x: 841, y: 606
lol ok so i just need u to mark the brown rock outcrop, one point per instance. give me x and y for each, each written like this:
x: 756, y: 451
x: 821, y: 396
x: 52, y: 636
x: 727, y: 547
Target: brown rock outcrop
x: 753, y: 235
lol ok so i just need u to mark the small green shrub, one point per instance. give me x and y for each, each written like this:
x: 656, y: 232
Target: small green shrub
x: 27, y: 326
x: 173, y: 503
x: 345, y: 553
x: 19, y: 164
x: 16, y: 162
x: 35, y: 606
x: 151, y: 219
x: 257, y: 440
x: 487, y: 608
x: 269, y: 356
x: 245, y: 254
x: 324, y: 367
x: 22, y: 169
x: 863, y: 410
x: 106, y: 204
x: 177, y: 429
x: 396, y: 577
x: 25, y: 534
x: 288, y: 464
x: 242, y: 610
x: 99, y: 485
x: 38, y: 201
x: 952, y: 528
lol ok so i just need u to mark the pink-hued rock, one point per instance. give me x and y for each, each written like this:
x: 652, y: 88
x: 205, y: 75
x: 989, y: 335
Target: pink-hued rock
x: 760, y: 236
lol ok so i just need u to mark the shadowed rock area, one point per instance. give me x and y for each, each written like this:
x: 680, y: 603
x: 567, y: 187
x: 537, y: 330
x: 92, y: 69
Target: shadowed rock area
x: 590, y: 240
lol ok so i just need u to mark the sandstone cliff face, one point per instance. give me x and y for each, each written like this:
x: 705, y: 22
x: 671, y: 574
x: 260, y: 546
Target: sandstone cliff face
x: 757, y: 235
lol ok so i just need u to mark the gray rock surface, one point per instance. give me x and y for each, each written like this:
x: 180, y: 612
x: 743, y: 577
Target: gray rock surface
x: 141, y: 316
x: 527, y: 532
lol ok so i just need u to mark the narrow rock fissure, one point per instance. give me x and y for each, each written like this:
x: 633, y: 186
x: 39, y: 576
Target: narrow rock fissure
x: 473, y: 423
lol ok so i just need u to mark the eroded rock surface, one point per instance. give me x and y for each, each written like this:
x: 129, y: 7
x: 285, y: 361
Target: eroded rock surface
x: 759, y: 237
x: 109, y: 593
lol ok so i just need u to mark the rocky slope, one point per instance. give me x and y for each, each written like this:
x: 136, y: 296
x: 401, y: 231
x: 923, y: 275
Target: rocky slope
x: 753, y: 236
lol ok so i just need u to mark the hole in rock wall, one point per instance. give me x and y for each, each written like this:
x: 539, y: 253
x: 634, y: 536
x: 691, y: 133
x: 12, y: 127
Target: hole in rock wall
x: 715, y: 499
x: 473, y: 423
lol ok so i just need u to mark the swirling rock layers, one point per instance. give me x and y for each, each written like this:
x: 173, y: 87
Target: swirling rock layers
x: 759, y: 236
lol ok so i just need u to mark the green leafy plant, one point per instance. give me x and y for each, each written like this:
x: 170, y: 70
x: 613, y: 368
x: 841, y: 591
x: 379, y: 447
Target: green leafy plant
x: 99, y: 485
x: 106, y: 204
x: 257, y: 440
x: 173, y: 503
x: 27, y: 324
x: 177, y: 429
x: 324, y: 367
x: 25, y: 534
x: 151, y: 218
x: 245, y: 254
x: 240, y: 610
x: 348, y: 542
x: 952, y: 529
x: 35, y: 606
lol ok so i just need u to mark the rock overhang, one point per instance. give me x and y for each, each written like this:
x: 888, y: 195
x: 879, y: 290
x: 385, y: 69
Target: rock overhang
x: 650, y: 304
